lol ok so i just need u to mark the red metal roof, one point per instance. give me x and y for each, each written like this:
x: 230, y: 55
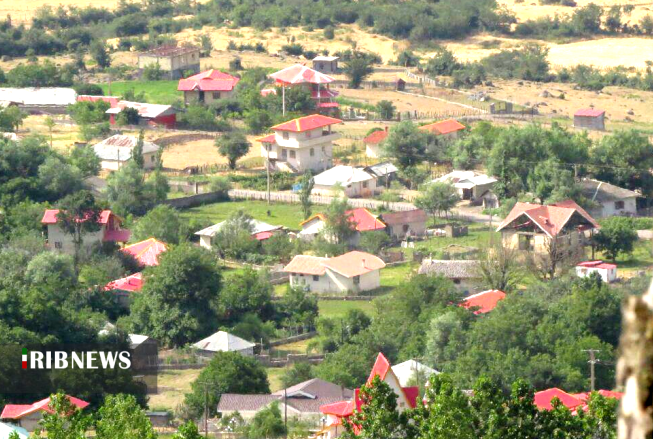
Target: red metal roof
x: 130, y: 283
x: 551, y: 218
x: 262, y: 236
x: 365, y: 220
x: 211, y: 80
x: 328, y: 105
x: 597, y: 264
x: 340, y: 409
x: 485, y: 301
x: 543, y: 399
x: 299, y: 74
x: 17, y: 411
x: 443, y: 127
x: 589, y: 112
x: 604, y: 393
x: 50, y: 216
x: 270, y: 138
x: 380, y: 368
x: 306, y: 123
x: 146, y: 252
x: 111, y: 100
x: 376, y: 137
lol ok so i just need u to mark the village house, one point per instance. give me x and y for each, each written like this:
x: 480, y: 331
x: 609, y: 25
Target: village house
x: 337, y: 413
x: 302, y: 144
x: 411, y: 372
x: 590, y: 119
x: 373, y: 143
x: 464, y: 274
x: 146, y: 253
x: 448, y: 129
x: 301, y: 401
x: 364, y: 220
x: 326, y: 64
x: 39, y: 100
x: 174, y: 61
x: 123, y: 288
x: 151, y: 115
x: 352, y: 272
x: 222, y: 341
x: 470, y: 185
x: 608, y: 272
x: 207, y: 87
x: 115, y: 151
x: 384, y: 173
x: 541, y: 230
x: 145, y: 351
x: 405, y: 224
x: 353, y: 181
x: 110, y: 230
x: 317, y: 83
x: 260, y: 231
x: 483, y: 302
x: 610, y: 200
x: 573, y: 401
x: 28, y: 416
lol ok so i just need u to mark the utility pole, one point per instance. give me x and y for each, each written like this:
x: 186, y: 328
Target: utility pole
x: 285, y: 410
x: 267, y: 168
x: 592, y: 363
x: 206, y: 406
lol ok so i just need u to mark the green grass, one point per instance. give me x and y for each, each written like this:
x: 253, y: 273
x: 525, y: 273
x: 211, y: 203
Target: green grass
x: 641, y: 258
x: 274, y: 377
x: 288, y: 215
x: 156, y: 92
x: 338, y: 308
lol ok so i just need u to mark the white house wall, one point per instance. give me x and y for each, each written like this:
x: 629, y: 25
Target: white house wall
x: 56, y: 235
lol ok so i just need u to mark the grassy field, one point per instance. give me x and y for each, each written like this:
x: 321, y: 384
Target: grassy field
x: 338, y: 308
x: 288, y: 215
x: 173, y: 385
x: 156, y: 92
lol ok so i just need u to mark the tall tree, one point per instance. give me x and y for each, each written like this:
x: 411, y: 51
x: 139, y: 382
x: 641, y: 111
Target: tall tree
x: 137, y: 151
x: 121, y: 417
x: 500, y: 268
x: 100, y: 54
x: 64, y: 420
x: 617, y: 235
x: 338, y: 224
x: 357, y: 69
x: 305, y: 194
x: 78, y: 215
x: 437, y: 198
x: 163, y: 223
x: 406, y: 144
x: 232, y: 145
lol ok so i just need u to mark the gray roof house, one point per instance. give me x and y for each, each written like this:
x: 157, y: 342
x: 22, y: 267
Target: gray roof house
x: 302, y: 401
x: 115, y: 151
x: 222, y: 341
x: 610, y: 200
x: 463, y: 273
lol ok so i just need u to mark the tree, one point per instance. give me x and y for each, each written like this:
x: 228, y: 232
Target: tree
x: 616, y: 235
x: 442, y: 63
x: 357, y: 69
x: 378, y: 416
x: 153, y: 72
x: 50, y: 124
x: 305, y: 193
x: 374, y: 242
x: 137, y: 151
x: 338, y: 225
x: 227, y: 372
x: 234, y: 239
x: 500, y: 268
x: 406, y: 144
x: 100, y: 54
x: 246, y: 292
x: 297, y: 373
x: 121, y: 417
x: 550, y: 182
x: 129, y: 193
x: 78, y: 215
x: 232, y: 145
x: 49, y: 266
x: 298, y: 307
x: 179, y: 301
x: 86, y: 160
x: 58, y: 178
x: 163, y: 223
x: 65, y: 421
x: 386, y: 109
x: 128, y: 116
x: 11, y: 118
x: 436, y: 198
x: 267, y: 423
x: 547, y: 263
x: 188, y: 430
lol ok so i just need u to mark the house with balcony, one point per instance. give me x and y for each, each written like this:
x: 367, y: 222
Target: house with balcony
x: 109, y: 230
x: 207, y: 87
x: 302, y: 144
x: 536, y: 228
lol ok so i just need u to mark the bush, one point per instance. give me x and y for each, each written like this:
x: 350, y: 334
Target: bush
x: 88, y: 89
x: 235, y: 64
x: 329, y: 32
x: 152, y: 72
x: 293, y: 49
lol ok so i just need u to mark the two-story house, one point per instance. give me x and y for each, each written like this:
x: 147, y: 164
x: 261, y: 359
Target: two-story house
x: 110, y: 231
x: 302, y: 144
x: 538, y: 229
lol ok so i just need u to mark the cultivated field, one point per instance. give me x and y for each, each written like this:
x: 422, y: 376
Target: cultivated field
x: 531, y: 9
x: 201, y: 152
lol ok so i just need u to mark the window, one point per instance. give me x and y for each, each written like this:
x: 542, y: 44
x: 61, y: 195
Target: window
x: 364, y: 185
x: 308, y: 134
x: 58, y: 245
x: 619, y: 205
x: 316, y: 278
x: 216, y: 95
x: 456, y: 281
x: 525, y: 242
x: 285, y: 135
x: 357, y: 280
x: 284, y: 154
x: 406, y: 228
x: 312, y: 152
x: 293, y: 154
x: 152, y: 158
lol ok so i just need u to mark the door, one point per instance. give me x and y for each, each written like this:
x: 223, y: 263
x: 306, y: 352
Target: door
x: 202, y: 96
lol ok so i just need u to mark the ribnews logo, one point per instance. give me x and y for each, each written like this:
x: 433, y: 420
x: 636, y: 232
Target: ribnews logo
x: 90, y: 360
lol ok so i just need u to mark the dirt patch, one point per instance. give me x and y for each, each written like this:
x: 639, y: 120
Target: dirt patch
x: 201, y: 152
x: 530, y: 9
x: 402, y: 102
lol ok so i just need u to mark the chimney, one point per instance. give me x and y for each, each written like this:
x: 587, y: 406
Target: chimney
x: 386, y: 128
x: 363, y: 262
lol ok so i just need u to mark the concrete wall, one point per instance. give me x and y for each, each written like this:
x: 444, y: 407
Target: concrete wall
x: 414, y: 228
x: 62, y: 242
x: 191, y: 97
x: 373, y: 151
x: 590, y: 123
x: 607, y: 275
x: 31, y: 421
x: 149, y: 162
x: 609, y: 208
x: 332, y: 282
x: 361, y: 189
x: 173, y: 66
x: 573, y: 242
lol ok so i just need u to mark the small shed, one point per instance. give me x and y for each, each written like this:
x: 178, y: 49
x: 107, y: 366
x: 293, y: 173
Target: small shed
x: 590, y: 119
x: 400, y: 84
x: 325, y: 64
x: 608, y: 272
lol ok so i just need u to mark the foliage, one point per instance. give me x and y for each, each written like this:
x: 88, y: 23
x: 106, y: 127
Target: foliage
x: 232, y: 145
x: 305, y: 193
x: 386, y: 109
x: 437, y: 198
x: 58, y: 178
x: 406, y: 144
x: 234, y: 239
x: 338, y: 225
x: 11, y: 118
x: 179, y: 301
x: 188, y: 430
x: 87, y: 112
x: 200, y: 117
x: 129, y: 193
x: 267, y: 423
x: 137, y: 151
x: 76, y: 206
x: 86, y: 160
x: 227, y: 372
x: 100, y: 54
x: 297, y: 373
x: 244, y: 293
x: 122, y: 417
x: 297, y: 307
x: 500, y: 268
x: 49, y: 266
x: 66, y: 421
x: 616, y: 236
x: 357, y: 69
x: 374, y: 242
x: 153, y: 72
x: 163, y: 223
